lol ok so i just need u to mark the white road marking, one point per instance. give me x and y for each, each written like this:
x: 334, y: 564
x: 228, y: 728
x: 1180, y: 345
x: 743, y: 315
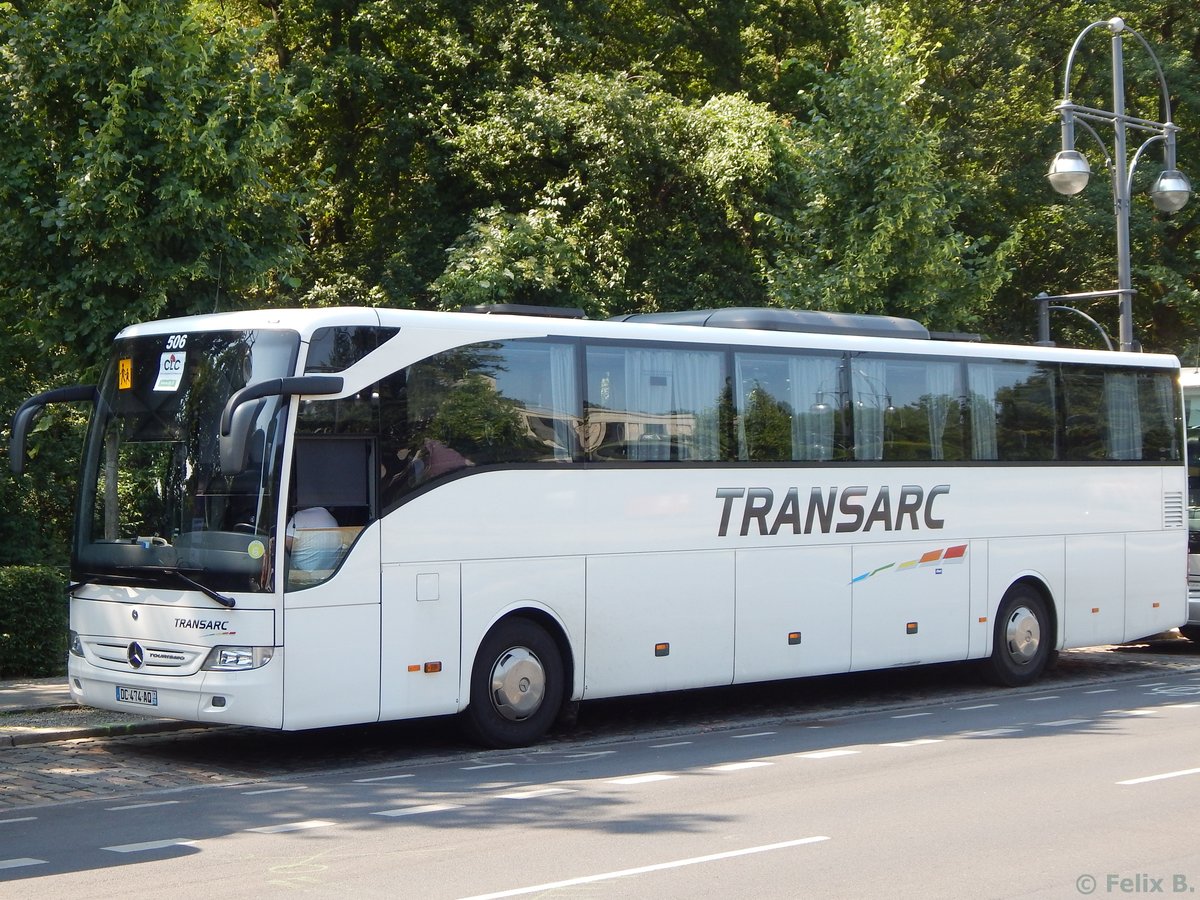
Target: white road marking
x: 537, y: 792
x: 486, y: 766
x: 292, y: 826
x: 643, y: 779
x: 1040, y: 699
x: 1162, y: 777
x: 738, y: 737
x: 991, y: 732
x: 418, y: 810
x: 917, y: 743
x: 912, y: 715
x: 152, y: 845
x: 980, y: 706
x: 1132, y: 712
x: 382, y: 778
x: 826, y: 754
x: 673, y: 744
x: 140, y: 806
x: 18, y: 863
x: 1061, y: 723
x: 737, y: 767
x: 278, y: 790
x: 590, y: 754
x: 1102, y: 691
x: 22, y: 819
x: 642, y: 870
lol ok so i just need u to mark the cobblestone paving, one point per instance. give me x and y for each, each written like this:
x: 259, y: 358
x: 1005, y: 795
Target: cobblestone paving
x: 122, y: 766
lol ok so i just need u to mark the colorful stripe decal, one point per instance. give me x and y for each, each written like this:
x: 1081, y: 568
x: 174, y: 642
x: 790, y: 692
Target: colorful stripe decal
x: 945, y: 557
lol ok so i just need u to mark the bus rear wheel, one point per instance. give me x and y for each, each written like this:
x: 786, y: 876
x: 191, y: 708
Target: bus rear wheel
x: 516, y: 686
x: 1023, y: 641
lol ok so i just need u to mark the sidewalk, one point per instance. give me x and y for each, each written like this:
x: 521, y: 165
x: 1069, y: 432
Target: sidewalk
x: 40, y: 710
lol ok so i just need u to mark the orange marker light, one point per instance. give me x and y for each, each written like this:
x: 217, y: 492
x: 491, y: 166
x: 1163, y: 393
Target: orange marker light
x: 663, y: 649
x: 414, y: 668
x: 432, y: 668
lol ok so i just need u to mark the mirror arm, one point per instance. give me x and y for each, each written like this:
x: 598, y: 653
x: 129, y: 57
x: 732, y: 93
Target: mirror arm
x: 30, y: 408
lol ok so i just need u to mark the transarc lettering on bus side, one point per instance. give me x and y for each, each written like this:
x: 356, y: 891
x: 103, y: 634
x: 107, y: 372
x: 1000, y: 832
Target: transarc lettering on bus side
x: 761, y: 510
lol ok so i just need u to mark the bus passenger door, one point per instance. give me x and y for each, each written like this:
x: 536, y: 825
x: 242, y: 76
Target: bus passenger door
x: 330, y: 573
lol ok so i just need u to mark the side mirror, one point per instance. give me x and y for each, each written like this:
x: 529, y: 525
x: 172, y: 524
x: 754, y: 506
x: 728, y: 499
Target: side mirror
x: 34, y: 405
x: 237, y: 418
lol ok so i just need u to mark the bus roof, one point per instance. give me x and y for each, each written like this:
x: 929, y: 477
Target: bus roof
x: 884, y: 335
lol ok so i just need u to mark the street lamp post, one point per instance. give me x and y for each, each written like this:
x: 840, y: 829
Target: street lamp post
x: 1069, y: 171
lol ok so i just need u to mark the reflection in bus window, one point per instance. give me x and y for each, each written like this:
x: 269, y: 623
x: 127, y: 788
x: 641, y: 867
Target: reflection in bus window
x: 655, y: 404
x: 1012, y: 411
x: 789, y: 406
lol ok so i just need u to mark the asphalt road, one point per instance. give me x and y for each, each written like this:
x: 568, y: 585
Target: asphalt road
x: 924, y: 787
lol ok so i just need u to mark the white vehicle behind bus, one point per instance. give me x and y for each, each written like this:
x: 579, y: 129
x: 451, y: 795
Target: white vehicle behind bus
x: 509, y: 514
x: 1190, y: 378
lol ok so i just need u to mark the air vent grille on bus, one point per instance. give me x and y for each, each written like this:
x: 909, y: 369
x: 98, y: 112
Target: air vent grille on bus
x: 1173, y: 510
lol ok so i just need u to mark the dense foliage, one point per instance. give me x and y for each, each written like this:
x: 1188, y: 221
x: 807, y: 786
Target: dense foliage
x: 174, y: 156
x: 33, y: 621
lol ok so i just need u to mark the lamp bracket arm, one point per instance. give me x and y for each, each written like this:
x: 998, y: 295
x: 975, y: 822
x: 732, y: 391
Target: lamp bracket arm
x: 1099, y: 143
x: 1162, y: 79
x: 1071, y: 55
x: 1133, y: 163
x: 1095, y: 324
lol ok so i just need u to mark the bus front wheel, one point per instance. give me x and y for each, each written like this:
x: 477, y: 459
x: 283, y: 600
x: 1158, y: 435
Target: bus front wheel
x: 1023, y: 639
x: 516, y: 686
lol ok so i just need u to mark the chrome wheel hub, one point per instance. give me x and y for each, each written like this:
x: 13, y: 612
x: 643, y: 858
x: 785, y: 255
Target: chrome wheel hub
x: 518, y: 684
x: 1023, y: 634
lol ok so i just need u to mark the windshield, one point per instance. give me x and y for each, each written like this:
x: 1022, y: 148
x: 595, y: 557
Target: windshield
x: 154, y: 503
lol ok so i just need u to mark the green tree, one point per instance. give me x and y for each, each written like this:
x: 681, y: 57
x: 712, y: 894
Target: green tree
x: 136, y: 173
x: 879, y: 230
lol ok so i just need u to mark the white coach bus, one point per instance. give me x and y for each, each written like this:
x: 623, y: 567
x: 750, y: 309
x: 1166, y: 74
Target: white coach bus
x: 306, y: 518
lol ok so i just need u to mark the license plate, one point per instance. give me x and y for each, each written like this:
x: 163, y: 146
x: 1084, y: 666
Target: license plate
x: 137, y: 695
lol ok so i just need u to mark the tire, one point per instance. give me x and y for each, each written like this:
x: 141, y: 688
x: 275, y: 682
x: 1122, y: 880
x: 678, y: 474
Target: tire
x: 1022, y: 642
x: 1191, y: 632
x: 516, y: 686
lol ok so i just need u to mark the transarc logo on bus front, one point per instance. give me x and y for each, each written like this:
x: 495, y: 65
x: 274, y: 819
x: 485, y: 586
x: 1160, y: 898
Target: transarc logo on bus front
x: 761, y: 510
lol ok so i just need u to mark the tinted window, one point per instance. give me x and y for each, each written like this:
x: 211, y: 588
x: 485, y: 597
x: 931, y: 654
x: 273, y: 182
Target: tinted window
x: 1012, y: 407
x: 789, y: 407
x: 336, y: 349
x: 655, y: 404
x: 907, y: 409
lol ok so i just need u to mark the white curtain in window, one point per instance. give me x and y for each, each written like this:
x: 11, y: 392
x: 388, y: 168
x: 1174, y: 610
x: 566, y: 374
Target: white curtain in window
x: 940, y: 389
x: 673, y: 396
x: 563, y: 399
x: 981, y: 383
x: 815, y: 400
x: 869, y: 402
x: 1124, y: 417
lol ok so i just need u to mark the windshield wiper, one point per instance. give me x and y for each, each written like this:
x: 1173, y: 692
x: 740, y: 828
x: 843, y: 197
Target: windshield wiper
x: 152, y: 576
x: 227, y: 602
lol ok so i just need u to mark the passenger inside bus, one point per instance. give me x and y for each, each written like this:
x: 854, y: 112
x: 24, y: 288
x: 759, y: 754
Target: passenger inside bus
x: 313, y: 540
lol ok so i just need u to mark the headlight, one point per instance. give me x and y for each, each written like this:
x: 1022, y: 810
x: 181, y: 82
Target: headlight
x: 237, y: 659
x: 75, y: 645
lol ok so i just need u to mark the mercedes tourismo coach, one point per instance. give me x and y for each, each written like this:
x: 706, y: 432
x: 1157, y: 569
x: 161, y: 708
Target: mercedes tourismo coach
x: 307, y: 518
